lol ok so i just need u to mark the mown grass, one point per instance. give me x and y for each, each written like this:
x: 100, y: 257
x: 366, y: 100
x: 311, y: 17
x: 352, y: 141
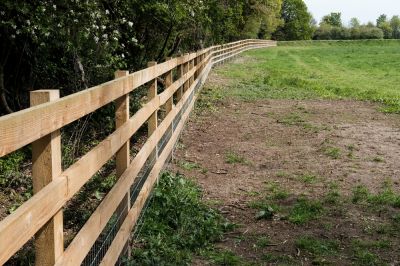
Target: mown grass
x: 362, y: 70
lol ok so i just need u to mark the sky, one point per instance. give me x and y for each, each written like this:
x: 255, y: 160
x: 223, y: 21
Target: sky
x: 364, y: 10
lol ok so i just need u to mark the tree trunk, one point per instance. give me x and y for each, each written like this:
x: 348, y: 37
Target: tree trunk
x: 3, y: 98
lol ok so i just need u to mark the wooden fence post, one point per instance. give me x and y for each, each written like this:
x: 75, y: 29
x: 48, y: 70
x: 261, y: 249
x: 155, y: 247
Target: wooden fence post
x: 46, y: 165
x: 191, y: 66
x: 185, y: 71
x: 152, y: 93
x: 168, y: 82
x: 179, y: 92
x: 123, y: 155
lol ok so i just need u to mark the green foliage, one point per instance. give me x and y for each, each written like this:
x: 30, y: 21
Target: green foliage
x: 297, y: 21
x: 305, y: 210
x: 307, y: 178
x: 223, y: 258
x: 177, y: 224
x: 10, y: 167
x: 360, y: 193
x: 333, y: 19
x: 232, y: 157
x: 317, y: 246
x: 333, y: 152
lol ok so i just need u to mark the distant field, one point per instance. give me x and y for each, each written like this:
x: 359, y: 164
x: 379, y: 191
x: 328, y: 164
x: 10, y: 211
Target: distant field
x: 363, y: 70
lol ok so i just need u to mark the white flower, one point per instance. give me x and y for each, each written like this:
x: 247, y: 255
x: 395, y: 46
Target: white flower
x: 76, y: 20
x: 134, y: 40
x: 123, y: 20
x: 18, y: 32
x: 103, y: 27
x: 47, y: 34
x: 14, y: 26
x: 54, y: 7
x: 122, y: 55
x: 105, y: 36
x: 59, y: 25
x: 28, y: 22
x: 12, y: 36
x: 2, y: 13
x: 96, y: 39
x: 130, y: 23
x: 115, y: 38
x: 123, y: 45
x: 107, y: 12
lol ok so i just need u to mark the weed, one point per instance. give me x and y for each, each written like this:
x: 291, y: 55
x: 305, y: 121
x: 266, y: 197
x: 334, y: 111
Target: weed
x: 177, y: 224
x: 233, y: 158
x: 263, y: 241
x: 223, y: 257
x: 189, y: 165
x: 360, y: 193
x: 317, y: 246
x: 380, y: 244
x: 277, y: 192
x: 332, y: 197
x: 305, y: 210
x: 333, y: 152
x: 292, y: 119
x: 364, y: 257
x: 307, y: 178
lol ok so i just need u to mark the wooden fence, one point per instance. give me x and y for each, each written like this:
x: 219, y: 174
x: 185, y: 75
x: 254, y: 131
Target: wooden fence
x: 41, y: 218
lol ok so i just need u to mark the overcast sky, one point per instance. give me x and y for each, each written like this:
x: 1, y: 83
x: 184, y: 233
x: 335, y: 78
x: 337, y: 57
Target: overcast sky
x: 364, y: 10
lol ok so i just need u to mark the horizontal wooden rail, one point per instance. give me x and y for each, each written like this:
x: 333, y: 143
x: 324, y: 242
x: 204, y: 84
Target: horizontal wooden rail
x: 30, y: 125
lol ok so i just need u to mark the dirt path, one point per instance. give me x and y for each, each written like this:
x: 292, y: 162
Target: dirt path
x: 254, y: 157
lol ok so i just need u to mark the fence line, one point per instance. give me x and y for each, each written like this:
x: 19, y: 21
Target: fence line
x: 41, y: 216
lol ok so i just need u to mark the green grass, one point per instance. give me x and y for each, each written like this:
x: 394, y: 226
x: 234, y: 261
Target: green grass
x: 234, y: 158
x: 177, y: 225
x: 307, y: 178
x: 317, y: 246
x: 305, y: 210
x: 333, y: 152
x: 362, y: 70
x: 385, y: 197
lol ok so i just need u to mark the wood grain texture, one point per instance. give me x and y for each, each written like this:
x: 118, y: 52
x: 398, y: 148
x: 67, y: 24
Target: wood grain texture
x: 46, y: 166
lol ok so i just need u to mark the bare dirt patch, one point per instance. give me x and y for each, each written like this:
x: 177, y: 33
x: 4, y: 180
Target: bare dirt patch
x: 248, y: 156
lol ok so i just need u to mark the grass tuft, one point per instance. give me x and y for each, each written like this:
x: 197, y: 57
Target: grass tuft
x: 305, y: 210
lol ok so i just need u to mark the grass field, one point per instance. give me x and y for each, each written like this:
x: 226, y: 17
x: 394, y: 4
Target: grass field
x: 363, y: 70
x: 281, y: 145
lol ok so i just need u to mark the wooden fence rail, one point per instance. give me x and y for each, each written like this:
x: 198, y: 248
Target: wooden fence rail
x: 41, y: 216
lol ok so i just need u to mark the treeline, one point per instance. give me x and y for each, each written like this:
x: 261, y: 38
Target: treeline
x: 331, y: 28
x: 72, y: 45
x: 298, y: 24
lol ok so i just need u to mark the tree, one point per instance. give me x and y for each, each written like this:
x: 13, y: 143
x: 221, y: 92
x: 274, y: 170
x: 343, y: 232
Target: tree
x: 297, y: 21
x: 354, y: 23
x: 333, y: 19
x: 395, y: 25
x: 384, y: 25
x: 382, y: 18
x: 262, y: 17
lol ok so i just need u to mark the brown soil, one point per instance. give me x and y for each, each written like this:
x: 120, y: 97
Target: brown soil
x: 281, y: 140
